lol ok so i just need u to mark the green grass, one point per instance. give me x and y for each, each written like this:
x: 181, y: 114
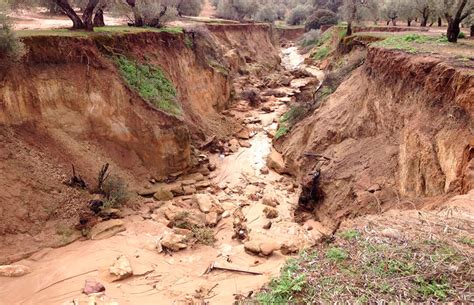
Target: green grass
x: 467, y: 241
x: 350, y: 234
x: 97, y: 31
x: 336, y: 254
x: 282, y: 288
x: 410, y: 272
x: 288, y: 119
x: 410, y: 43
x: 321, y: 53
x: 151, y: 83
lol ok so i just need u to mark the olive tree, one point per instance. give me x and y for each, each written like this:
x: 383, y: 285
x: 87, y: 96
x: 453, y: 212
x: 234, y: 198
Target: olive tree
x: 10, y: 47
x: 353, y: 11
x: 298, y: 15
x: 455, y: 12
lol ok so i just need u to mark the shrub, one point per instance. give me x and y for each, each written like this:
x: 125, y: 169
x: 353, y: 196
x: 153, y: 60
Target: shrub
x: 236, y: 9
x: 266, y: 14
x: 190, y: 7
x: 115, y: 191
x: 310, y: 38
x: 461, y: 35
x: 10, y: 46
x: 155, y: 14
x: 204, y: 236
x: 297, y: 15
x: 319, y: 18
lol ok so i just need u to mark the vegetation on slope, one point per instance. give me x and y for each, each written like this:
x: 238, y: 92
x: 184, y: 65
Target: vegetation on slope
x: 152, y: 85
x: 364, y: 266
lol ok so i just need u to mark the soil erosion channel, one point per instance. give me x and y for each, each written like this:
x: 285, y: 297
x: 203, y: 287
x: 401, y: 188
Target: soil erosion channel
x: 257, y: 204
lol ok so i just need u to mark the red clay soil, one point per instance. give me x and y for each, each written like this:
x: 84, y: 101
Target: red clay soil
x: 400, y: 123
x: 66, y: 103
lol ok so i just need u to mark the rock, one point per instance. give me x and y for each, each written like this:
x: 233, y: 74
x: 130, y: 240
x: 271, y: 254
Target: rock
x: 289, y: 248
x: 275, y: 162
x: 189, y: 190
x: 234, y: 145
x: 392, y: 233
x: 225, y: 214
x: 205, y: 171
x: 163, y: 194
x: 207, y: 203
x: 374, y: 188
x: 184, y: 232
x: 106, y: 229
x: 204, y: 202
x: 274, y: 92
x: 195, y: 176
x: 244, y: 134
x: 267, y: 248
x: 269, y: 198
x: 267, y: 226
x: 203, y: 184
x: 92, y: 286
x: 121, y: 269
x: 188, y: 182
x: 267, y: 109
x: 14, y: 270
x: 264, y: 170
x: 173, y: 242
x: 271, y: 134
x: 245, y: 144
x: 270, y: 213
x: 212, y: 218
x: 252, y: 247
x: 212, y: 167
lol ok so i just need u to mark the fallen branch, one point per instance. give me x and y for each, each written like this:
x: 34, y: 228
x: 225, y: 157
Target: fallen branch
x: 229, y: 267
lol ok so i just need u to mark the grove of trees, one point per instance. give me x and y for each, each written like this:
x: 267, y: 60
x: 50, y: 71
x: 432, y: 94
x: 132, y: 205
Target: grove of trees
x: 316, y: 13
x: 311, y: 13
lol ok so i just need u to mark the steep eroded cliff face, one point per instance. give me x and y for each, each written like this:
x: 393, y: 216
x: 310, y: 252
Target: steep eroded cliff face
x: 67, y: 103
x: 400, y: 126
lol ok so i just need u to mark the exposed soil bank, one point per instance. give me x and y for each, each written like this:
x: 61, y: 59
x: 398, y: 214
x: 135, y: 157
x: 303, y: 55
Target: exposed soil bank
x: 400, y: 127
x: 67, y: 103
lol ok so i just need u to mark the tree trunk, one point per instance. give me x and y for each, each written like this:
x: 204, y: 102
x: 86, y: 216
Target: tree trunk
x: 88, y: 13
x: 388, y: 22
x: 138, y: 19
x: 454, y: 22
x: 453, y: 30
x: 349, y: 28
x: 409, y: 22
x: 472, y: 30
x: 67, y: 9
x: 440, y: 22
x: 99, y: 17
x: 394, y: 22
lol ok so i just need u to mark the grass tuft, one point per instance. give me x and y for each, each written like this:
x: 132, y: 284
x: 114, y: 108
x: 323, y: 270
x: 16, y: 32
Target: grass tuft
x: 151, y: 83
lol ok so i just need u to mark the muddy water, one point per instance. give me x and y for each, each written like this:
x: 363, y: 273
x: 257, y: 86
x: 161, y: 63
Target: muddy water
x: 58, y: 275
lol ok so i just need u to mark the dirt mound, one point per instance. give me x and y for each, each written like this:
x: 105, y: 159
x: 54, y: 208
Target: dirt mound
x: 399, y: 127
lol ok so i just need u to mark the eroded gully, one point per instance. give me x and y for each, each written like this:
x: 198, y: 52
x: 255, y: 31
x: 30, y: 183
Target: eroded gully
x: 183, y: 277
